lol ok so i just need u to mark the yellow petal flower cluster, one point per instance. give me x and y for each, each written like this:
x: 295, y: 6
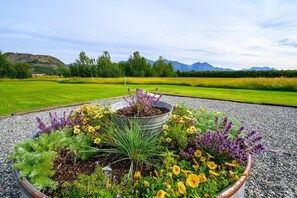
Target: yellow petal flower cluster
x: 137, y: 175
x: 176, y: 170
x: 161, y: 194
x: 192, y: 181
x: 211, y: 165
x: 97, y: 140
x: 181, y: 187
x: 198, y: 153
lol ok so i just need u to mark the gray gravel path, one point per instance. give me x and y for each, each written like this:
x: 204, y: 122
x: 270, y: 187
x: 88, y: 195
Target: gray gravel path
x: 274, y: 172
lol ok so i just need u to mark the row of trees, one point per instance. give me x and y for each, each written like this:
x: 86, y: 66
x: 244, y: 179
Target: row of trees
x: 136, y: 66
x: 239, y: 74
x: 13, y: 70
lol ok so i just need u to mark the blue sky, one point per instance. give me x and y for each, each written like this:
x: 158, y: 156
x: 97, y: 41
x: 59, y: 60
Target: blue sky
x: 225, y: 33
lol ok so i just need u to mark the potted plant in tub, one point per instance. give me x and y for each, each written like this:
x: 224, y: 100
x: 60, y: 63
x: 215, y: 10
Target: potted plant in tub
x: 144, y: 107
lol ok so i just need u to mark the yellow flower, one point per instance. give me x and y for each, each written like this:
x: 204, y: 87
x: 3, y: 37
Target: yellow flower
x: 176, y: 170
x: 181, y: 187
x: 193, y: 129
x: 190, y: 112
x: 235, y: 162
x: 189, y: 131
x: 202, y: 177
x: 137, y: 175
x: 213, y: 173
x: 97, y: 127
x: 161, y: 194
x: 201, y: 109
x: 76, y: 131
x: 192, y: 180
x: 91, y: 129
x: 196, y: 166
x: 97, y: 140
x: 231, y: 172
x: 212, y: 165
x: 146, y: 184
x: 186, y: 172
x: 209, y: 156
x: 76, y: 126
x: 165, y: 127
x: 197, y: 153
x: 169, y: 175
x: 168, y: 140
x: 230, y: 164
x: 202, y: 159
x: 168, y: 186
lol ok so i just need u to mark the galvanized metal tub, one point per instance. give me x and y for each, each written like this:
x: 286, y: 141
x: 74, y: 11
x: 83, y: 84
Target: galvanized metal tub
x: 148, y: 123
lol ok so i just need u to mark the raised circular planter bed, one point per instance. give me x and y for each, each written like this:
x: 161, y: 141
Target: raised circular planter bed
x: 148, y: 123
x: 236, y: 190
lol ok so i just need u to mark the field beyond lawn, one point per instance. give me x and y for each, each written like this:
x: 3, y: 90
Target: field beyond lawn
x: 24, y: 95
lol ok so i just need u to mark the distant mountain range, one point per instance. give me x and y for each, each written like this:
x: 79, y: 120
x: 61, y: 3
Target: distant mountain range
x: 203, y: 66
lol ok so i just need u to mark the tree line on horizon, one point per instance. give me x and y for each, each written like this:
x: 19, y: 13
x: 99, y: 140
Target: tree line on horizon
x: 136, y: 66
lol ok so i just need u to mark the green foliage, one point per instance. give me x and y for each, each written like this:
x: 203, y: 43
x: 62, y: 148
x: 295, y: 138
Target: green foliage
x: 33, y: 158
x: 97, y: 185
x: 161, y: 69
x: 239, y: 74
x: 10, y: 70
x: 129, y: 142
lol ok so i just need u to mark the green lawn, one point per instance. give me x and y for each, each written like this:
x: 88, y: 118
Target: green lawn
x: 18, y: 96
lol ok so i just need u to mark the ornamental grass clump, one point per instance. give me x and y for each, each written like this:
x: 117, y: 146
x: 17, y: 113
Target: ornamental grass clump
x: 127, y: 142
x: 141, y: 103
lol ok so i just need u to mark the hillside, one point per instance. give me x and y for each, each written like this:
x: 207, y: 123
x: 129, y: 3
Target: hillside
x: 39, y: 64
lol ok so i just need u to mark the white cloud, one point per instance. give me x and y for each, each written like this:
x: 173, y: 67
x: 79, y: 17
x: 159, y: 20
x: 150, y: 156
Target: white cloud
x: 226, y: 33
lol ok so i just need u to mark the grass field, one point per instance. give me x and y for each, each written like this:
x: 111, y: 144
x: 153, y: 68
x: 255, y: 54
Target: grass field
x: 276, y: 84
x: 23, y: 95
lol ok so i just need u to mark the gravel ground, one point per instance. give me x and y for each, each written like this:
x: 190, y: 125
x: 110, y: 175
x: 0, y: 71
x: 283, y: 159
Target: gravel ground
x: 274, y: 172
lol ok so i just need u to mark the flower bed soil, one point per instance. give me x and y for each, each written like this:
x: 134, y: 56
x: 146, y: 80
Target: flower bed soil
x: 152, y: 112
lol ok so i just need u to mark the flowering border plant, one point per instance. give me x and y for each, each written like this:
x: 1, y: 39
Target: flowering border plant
x: 141, y: 103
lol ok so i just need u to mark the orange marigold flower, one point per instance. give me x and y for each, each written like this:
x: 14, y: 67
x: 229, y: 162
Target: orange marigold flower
x: 197, y: 153
x: 202, y: 177
x: 176, y: 170
x: 212, y: 165
x: 192, y: 180
x: 161, y: 194
x: 181, y: 187
x: 97, y: 140
x: 137, y: 175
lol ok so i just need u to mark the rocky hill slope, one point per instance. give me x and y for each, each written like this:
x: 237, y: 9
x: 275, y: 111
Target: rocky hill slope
x: 39, y: 64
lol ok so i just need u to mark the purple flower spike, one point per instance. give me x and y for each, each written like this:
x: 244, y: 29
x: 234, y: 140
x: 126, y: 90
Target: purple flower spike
x: 118, y: 196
